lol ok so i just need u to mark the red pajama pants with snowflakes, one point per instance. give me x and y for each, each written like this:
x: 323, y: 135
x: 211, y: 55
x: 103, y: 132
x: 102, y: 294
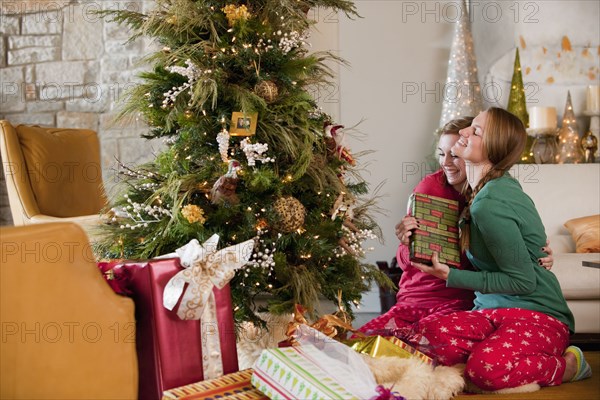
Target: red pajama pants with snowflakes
x: 502, y: 348
x: 400, y: 319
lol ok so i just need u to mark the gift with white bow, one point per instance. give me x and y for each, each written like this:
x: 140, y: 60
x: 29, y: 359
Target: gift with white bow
x: 184, y: 331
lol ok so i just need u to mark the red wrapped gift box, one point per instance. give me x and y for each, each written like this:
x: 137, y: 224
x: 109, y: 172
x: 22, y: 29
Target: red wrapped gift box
x: 169, y: 349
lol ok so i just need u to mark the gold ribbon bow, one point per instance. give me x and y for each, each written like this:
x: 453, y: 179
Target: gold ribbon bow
x: 330, y: 325
x: 205, y: 268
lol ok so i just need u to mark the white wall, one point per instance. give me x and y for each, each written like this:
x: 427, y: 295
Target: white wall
x: 399, y: 44
x: 539, y: 25
x: 388, y: 56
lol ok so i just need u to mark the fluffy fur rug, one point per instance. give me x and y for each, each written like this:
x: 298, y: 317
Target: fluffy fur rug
x: 253, y: 340
x: 416, y: 380
x: 410, y: 377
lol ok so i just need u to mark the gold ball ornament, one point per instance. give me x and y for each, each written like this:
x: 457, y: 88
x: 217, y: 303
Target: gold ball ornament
x: 291, y: 214
x: 267, y: 90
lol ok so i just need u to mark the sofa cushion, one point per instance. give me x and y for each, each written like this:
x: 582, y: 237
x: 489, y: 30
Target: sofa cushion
x: 577, y: 281
x: 64, y: 170
x: 586, y: 233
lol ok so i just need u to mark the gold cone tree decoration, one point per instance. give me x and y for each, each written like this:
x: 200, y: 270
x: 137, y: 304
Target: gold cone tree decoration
x: 517, y: 105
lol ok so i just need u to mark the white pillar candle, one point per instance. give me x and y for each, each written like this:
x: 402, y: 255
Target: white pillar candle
x: 542, y: 118
x: 593, y: 99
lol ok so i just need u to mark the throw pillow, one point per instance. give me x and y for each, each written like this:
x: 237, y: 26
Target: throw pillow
x: 586, y: 233
x: 64, y: 170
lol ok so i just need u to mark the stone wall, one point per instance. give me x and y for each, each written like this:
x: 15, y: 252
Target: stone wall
x: 61, y: 65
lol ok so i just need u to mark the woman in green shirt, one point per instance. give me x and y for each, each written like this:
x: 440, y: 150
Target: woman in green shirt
x: 519, y: 329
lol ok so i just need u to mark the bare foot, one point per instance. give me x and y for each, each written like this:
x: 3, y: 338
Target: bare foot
x: 570, y: 368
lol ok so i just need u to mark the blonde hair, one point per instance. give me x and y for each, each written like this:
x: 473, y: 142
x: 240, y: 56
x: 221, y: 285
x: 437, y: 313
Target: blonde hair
x: 453, y: 127
x: 504, y: 139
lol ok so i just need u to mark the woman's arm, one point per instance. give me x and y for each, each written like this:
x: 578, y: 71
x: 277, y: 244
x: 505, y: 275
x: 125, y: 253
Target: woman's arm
x: 503, y: 240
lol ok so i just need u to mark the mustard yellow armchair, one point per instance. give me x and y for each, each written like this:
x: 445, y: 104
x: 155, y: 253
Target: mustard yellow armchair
x: 65, y: 333
x: 52, y: 174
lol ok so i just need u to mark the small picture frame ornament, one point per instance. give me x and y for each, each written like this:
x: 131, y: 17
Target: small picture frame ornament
x: 243, y: 124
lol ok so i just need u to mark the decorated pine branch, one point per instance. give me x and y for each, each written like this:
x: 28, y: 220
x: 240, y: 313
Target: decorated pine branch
x: 249, y: 154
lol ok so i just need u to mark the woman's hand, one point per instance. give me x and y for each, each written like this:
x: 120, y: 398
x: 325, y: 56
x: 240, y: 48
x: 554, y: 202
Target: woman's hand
x: 547, y: 262
x: 438, y: 269
x: 404, y: 227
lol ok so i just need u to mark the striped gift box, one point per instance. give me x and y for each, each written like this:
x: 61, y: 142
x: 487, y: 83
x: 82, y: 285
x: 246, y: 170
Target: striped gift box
x: 235, y: 386
x: 292, y: 373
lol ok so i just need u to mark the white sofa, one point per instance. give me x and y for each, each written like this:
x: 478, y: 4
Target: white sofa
x: 561, y: 193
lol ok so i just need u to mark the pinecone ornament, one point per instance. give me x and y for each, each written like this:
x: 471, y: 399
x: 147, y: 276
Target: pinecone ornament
x: 291, y: 213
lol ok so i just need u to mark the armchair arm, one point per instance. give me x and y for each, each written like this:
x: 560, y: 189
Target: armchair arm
x: 66, y: 334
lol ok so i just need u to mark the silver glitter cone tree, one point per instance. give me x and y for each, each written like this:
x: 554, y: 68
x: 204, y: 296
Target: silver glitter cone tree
x: 462, y: 92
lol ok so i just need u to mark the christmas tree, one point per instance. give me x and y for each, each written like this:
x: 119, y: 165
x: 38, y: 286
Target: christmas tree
x: 249, y: 154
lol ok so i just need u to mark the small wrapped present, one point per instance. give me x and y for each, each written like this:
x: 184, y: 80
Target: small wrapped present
x: 235, y: 386
x: 438, y: 229
x: 288, y: 373
x: 378, y: 346
x: 197, y: 340
x: 318, y: 368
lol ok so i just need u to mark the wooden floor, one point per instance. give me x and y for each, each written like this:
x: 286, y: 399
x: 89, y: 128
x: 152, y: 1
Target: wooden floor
x: 587, y: 389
